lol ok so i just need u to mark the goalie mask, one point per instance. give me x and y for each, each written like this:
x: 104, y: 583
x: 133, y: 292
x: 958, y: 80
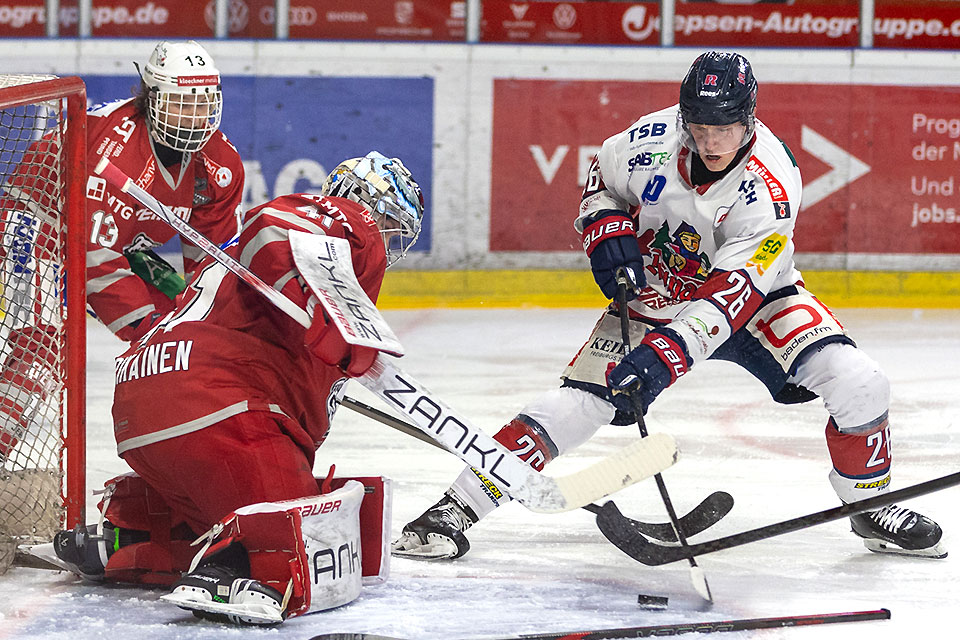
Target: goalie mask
x: 185, y: 101
x: 718, y: 98
x: 385, y: 187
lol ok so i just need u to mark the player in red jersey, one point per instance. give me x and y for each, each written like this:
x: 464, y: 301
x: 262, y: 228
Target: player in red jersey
x: 168, y: 138
x: 221, y: 406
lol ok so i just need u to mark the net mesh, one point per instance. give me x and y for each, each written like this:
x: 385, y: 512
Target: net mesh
x: 32, y: 314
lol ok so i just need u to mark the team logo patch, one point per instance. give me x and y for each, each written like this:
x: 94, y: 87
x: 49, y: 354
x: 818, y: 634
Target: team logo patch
x: 223, y: 176
x: 96, y: 188
x: 781, y: 210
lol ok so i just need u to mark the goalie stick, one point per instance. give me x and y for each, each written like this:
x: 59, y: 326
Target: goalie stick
x: 660, y: 630
x: 617, y: 530
x: 706, y: 514
x: 536, y: 491
x: 697, y: 577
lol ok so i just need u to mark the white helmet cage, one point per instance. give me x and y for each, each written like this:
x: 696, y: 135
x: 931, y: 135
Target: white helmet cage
x: 385, y: 187
x: 185, y: 100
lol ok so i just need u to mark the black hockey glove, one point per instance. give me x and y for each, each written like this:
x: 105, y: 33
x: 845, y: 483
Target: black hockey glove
x: 610, y: 240
x: 653, y: 366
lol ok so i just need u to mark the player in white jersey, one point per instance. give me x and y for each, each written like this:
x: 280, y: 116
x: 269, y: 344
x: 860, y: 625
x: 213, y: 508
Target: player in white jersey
x: 698, y: 203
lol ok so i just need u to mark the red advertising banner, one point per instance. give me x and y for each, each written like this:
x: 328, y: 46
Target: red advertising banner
x: 571, y: 22
x: 916, y: 24
x: 920, y: 24
x: 878, y: 162
x: 800, y: 23
x: 443, y: 20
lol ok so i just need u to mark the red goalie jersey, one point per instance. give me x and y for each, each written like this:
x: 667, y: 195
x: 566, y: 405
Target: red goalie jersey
x: 226, y: 350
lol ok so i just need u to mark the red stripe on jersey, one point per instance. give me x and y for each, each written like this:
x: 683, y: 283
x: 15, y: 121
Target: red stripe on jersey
x: 777, y: 192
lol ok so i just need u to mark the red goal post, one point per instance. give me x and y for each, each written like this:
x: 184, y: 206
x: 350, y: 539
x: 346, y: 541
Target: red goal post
x: 42, y: 306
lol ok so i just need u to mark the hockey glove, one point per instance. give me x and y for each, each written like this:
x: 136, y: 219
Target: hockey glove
x: 610, y: 240
x: 653, y: 366
x: 324, y: 341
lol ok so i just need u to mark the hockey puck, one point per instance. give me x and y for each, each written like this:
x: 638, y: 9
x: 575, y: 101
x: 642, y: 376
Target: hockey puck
x: 651, y: 602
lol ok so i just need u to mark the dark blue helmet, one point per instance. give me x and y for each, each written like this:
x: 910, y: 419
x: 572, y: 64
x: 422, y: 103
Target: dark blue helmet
x: 719, y: 89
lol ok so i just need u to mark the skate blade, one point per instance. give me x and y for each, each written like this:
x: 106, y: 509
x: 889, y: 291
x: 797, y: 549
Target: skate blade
x: 437, y: 547
x: 249, y: 614
x: 42, y: 556
x: 879, y: 546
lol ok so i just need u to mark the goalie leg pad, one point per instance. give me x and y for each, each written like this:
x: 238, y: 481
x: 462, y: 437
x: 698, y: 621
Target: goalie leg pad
x: 136, y: 510
x: 135, y: 540
x: 307, y: 549
x: 376, y: 513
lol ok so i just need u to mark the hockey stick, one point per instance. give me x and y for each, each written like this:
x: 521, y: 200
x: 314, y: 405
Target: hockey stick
x: 704, y: 515
x: 719, y: 626
x: 697, y: 576
x: 635, y: 545
x: 536, y: 491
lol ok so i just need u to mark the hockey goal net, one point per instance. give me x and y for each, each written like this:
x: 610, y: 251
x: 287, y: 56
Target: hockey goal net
x: 42, y: 308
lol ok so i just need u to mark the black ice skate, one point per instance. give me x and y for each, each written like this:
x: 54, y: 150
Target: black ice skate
x: 894, y: 529
x: 218, y: 593
x: 438, y: 533
x: 83, y: 551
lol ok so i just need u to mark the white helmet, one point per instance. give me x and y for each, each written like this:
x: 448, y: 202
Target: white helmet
x: 385, y: 187
x: 185, y: 101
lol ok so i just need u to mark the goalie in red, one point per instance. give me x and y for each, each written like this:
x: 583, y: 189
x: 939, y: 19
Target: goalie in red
x: 221, y: 406
x: 168, y: 138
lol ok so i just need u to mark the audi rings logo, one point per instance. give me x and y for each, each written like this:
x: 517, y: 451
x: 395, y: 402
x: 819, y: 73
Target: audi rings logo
x: 564, y: 16
x: 635, y: 24
x: 299, y: 16
x: 238, y: 15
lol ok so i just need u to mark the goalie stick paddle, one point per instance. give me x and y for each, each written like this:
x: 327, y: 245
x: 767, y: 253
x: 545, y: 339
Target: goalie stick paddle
x: 453, y: 432
x: 697, y: 577
x: 704, y: 515
x: 660, y: 630
x: 616, y: 528
x: 536, y: 491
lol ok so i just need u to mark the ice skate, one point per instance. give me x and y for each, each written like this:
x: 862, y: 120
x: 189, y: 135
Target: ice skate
x: 894, y: 529
x: 82, y: 550
x: 218, y: 593
x: 438, y: 533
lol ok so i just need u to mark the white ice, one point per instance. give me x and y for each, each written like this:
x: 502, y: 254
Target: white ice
x: 530, y: 573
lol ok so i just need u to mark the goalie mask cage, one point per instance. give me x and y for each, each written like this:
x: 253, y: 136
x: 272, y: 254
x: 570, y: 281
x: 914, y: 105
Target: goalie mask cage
x: 42, y: 308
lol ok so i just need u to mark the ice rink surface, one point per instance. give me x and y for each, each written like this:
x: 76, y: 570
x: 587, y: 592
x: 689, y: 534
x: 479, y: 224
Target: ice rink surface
x: 529, y: 573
